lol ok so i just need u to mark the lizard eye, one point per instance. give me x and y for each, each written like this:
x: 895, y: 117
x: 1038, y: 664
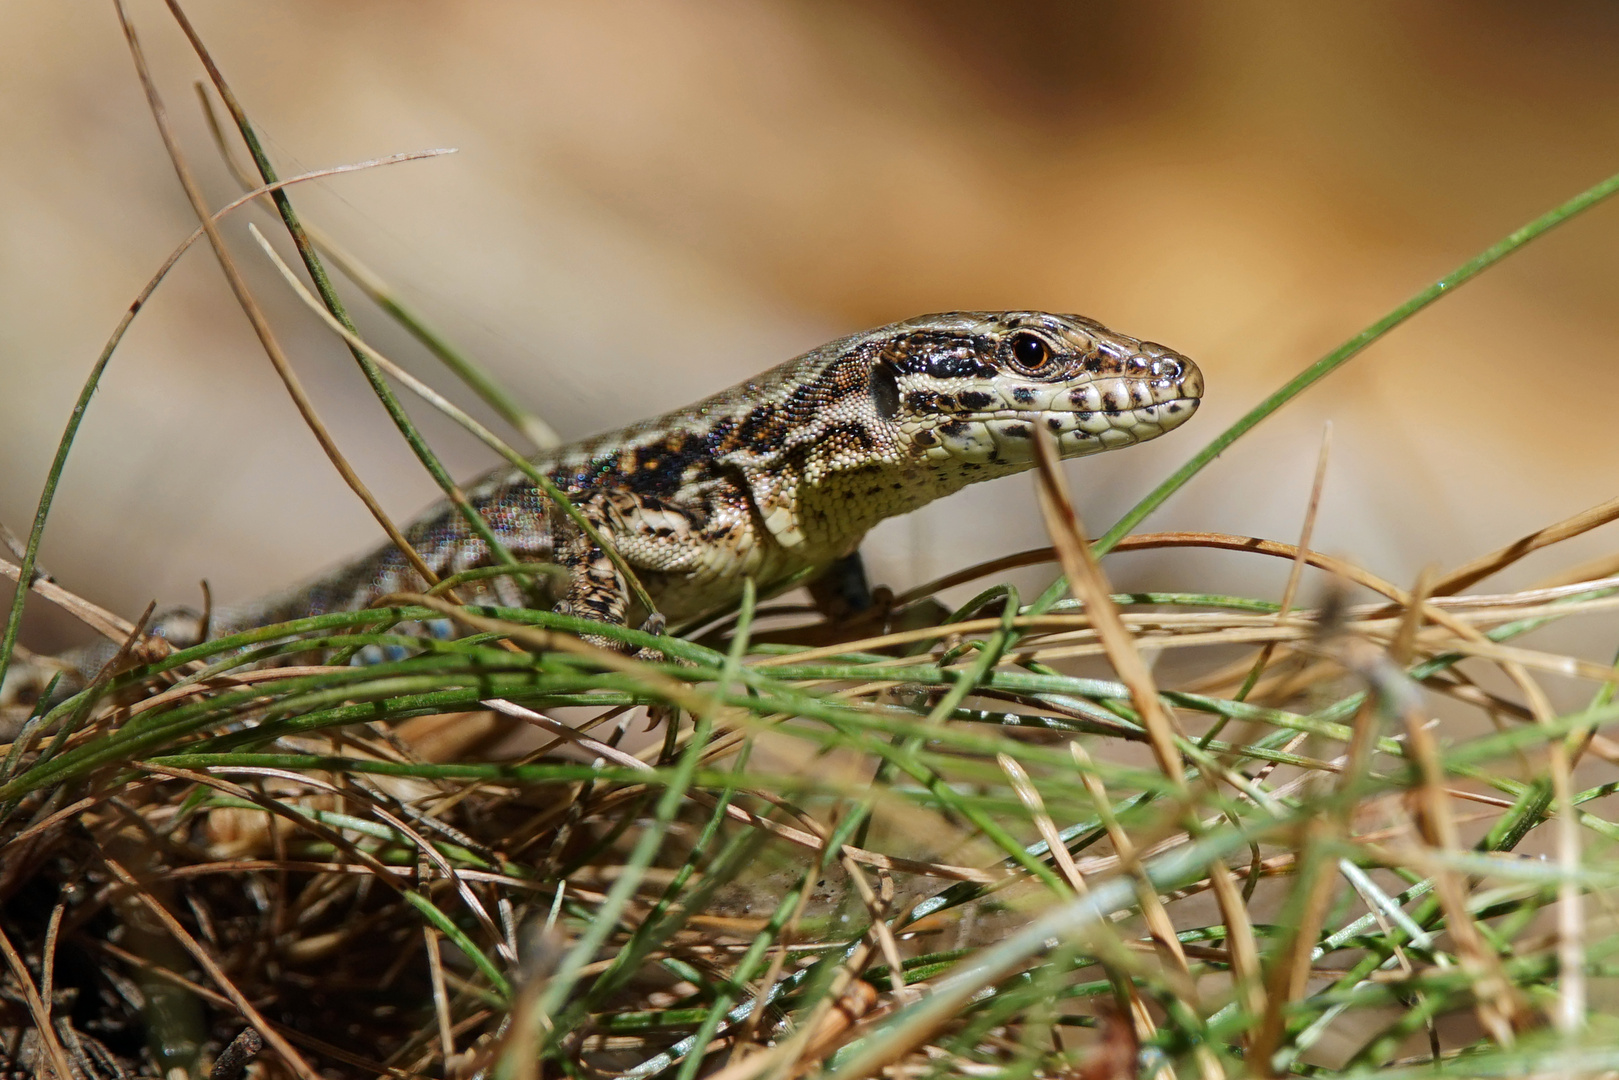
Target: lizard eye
x: 1030, y: 353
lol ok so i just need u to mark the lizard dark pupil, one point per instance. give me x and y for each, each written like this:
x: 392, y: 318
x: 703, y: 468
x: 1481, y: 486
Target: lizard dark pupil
x: 1030, y: 352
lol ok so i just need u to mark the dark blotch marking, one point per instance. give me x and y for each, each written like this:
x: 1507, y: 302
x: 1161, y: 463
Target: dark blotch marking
x: 600, y: 472
x: 954, y: 428
x: 719, y: 436
x: 763, y: 428
x: 885, y: 390
x: 974, y: 399
x: 846, y: 377
x: 926, y: 438
x: 1016, y: 431
x: 951, y: 365
x: 1022, y: 395
x: 1054, y: 423
x: 943, y: 355
x: 922, y: 401
x: 659, y: 468
x: 848, y: 435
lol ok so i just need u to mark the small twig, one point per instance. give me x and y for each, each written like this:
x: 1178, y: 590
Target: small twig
x: 99, y: 619
x: 231, y: 1064
x: 47, y: 962
x: 1294, y: 575
x: 441, y: 998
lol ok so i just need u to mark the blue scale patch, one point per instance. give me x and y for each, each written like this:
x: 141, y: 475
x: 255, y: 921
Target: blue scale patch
x: 367, y: 656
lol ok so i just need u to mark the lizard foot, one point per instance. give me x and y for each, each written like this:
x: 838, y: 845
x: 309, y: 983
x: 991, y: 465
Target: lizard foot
x: 654, y: 624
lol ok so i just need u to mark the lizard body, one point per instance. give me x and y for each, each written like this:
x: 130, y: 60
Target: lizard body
x: 782, y: 474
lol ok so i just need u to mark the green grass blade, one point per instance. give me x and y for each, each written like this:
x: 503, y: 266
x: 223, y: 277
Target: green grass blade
x: 1332, y: 362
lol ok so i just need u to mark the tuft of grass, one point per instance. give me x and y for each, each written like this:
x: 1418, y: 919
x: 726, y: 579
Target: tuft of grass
x: 934, y: 843
x: 845, y: 859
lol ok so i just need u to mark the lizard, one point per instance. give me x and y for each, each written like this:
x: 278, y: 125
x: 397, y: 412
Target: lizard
x: 778, y: 476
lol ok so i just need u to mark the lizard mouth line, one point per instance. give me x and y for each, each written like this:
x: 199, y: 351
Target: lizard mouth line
x: 1033, y: 415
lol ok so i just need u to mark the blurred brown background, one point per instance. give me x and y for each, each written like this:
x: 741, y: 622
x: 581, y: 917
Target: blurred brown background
x: 654, y: 199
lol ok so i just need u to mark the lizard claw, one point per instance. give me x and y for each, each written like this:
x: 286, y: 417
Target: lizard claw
x: 653, y: 624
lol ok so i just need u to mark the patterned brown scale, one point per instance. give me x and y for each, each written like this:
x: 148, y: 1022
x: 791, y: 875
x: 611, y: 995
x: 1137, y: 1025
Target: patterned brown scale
x: 786, y: 472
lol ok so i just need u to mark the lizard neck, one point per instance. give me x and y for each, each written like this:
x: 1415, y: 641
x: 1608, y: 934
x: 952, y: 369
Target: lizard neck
x: 840, y: 492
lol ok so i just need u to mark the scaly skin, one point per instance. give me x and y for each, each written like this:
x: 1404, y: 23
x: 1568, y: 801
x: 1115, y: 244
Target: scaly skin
x: 782, y: 474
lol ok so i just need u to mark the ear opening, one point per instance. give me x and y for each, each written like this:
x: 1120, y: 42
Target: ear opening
x: 885, y: 389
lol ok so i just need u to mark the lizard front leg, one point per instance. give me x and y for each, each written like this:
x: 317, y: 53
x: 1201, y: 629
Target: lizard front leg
x: 596, y: 588
x: 692, y: 554
x: 843, y: 591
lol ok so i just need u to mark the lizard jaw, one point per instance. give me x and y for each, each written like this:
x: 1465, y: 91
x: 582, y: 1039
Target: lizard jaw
x: 1005, y: 436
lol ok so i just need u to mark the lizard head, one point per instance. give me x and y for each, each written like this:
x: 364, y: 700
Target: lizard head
x: 882, y: 422
x: 971, y: 387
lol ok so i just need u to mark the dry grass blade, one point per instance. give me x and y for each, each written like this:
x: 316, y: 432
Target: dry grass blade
x: 1029, y: 795
x: 97, y: 618
x: 1501, y: 1009
x: 39, y: 1009
x: 1291, y: 590
x: 1485, y: 565
x: 1252, y: 545
x: 255, y: 314
x: 1086, y: 579
x: 1571, y: 927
